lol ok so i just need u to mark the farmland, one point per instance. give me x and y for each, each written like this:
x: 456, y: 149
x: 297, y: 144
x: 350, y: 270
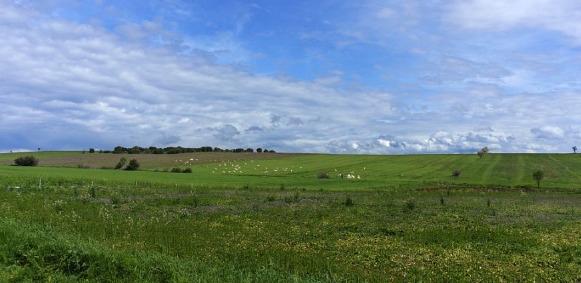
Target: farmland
x: 268, y: 218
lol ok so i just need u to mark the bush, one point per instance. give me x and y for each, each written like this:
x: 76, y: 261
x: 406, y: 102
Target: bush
x: 348, y: 201
x: 121, y: 163
x: 456, y: 173
x: 133, y: 165
x: 26, y: 161
x: 409, y: 206
x: 176, y: 170
x: 187, y: 170
x: 323, y: 175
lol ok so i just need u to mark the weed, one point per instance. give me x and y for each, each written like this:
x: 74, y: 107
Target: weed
x: 348, y: 201
x: 115, y: 199
x: 456, y: 174
x: 409, y: 205
x: 195, y: 201
x: 93, y: 192
x: 270, y: 198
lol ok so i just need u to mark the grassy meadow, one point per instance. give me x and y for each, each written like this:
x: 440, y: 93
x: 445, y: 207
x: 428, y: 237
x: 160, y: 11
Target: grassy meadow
x: 268, y: 218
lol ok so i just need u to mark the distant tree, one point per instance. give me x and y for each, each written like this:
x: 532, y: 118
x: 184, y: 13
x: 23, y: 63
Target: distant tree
x: 538, y: 176
x: 121, y: 163
x: 26, y: 161
x: 118, y: 149
x: 249, y: 150
x: 483, y: 151
x: 91, y: 150
x: 259, y: 150
x: 574, y: 149
x: 265, y: 150
x: 272, y: 151
x: 133, y: 165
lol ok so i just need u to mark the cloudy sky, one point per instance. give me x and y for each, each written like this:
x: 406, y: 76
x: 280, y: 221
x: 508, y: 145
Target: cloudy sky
x: 329, y: 76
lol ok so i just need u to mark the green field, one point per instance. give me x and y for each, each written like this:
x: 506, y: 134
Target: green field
x: 267, y: 171
x: 249, y: 218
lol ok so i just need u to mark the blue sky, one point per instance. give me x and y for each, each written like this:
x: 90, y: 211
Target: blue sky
x: 373, y: 77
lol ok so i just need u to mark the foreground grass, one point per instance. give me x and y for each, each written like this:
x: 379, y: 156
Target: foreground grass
x: 235, y: 235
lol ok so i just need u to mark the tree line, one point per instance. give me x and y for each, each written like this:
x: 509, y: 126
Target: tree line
x: 177, y: 150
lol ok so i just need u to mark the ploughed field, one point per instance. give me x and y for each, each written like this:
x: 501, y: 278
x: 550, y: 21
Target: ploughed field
x: 276, y: 218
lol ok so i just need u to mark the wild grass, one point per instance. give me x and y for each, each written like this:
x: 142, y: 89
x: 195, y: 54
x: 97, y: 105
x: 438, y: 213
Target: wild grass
x: 311, y: 235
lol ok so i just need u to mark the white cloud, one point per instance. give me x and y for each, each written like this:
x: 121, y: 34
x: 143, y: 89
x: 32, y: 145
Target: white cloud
x: 548, y: 132
x: 554, y: 15
x: 100, y: 88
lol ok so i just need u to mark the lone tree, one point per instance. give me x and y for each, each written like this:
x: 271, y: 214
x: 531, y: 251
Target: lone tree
x: 538, y: 176
x: 575, y: 149
x: 483, y: 151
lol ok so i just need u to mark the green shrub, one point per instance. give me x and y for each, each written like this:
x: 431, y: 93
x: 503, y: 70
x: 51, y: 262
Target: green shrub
x: 115, y: 199
x: 26, y: 161
x: 409, y: 205
x: 456, y: 173
x: 270, y: 198
x: 176, y: 170
x: 133, y: 165
x: 348, y: 201
x: 187, y: 170
x: 121, y: 163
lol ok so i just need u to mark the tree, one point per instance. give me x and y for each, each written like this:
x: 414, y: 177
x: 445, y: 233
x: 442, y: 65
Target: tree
x: 91, y: 150
x: 538, y: 176
x: 483, y: 151
x: 118, y: 149
x: 121, y: 163
x: 259, y: 150
x: 133, y: 165
x: 574, y: 149
x: 26, y: 161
